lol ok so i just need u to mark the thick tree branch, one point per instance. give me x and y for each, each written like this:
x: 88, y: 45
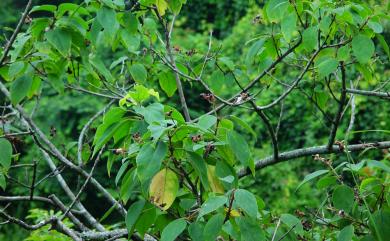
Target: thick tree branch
x: 385, y: 95
x: 294, y: 154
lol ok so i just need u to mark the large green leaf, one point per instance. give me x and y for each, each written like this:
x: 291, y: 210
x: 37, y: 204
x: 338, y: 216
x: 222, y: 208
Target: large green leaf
x: 289, y: 26
x: 173, y: 230
x: 346, y: 233
x: 326, y: 65
x: 133, y: 214
x: 200, y: 167
x: 343, y: 198
x: 246, y: 201
x: 60, y: 39
x: 20, y: 88
x: 380, y: 227
x: 149, y: 160
x: 168, y: 83
x: 213, y: 227
x: 5, y: 153
x: 310, y: 38
x: 195, y: 231
x: 276, y: 9
x: 97, y: 62
x: 250, y: 229
x: 240, y: 149
x: 363, y: 48
x: 253, y: 51
x: 107, y: 19
x: 292, y: 222
x: 138, y: 72
x: 212, y: 204
x: 207, y: 121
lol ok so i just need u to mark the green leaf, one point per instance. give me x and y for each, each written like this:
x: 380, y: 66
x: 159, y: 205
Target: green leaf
x: 128, y: 185
x: 311, y: 176
x: 107, y: 19
x: 195, y: 231
x: 106, y: 136
x: 163, y: 188
x: 276, y: 9
x: 149, y: 160
x: 250, y: 230
x: 212, y: 204
x: 207, y: 121
x: 15, y: 69
x: 152, y: 113
x: 326, y: 65
x: 173, y: 230
x: 292, y: 222
x: 384, y: 44
x: 101, y: 67
x: 244, y: 125
x: 3, y: 182
x: 240, y: 149
x: 199, y: 165
x: 253, y: 51
x: 213, y: 227
x: 246, y: 201
x: 133, y: 214
x: 131, y: 22
x: 343, y: 198
x: 363, y: 48
x: 130, y: 41
x: 343, y: 53
x: 326, y: 181
x: 168, y: 83
x: 138, y: 72
x: 380, y: 227
x: 375, y: 26
x: 346, y: 233
x: 46, y: 8
x: 20, y: 88
x: 309, y: 38
x: 289, y: 26
x: 146, y: 220
x: 5, y: 153
x: 60, y: 39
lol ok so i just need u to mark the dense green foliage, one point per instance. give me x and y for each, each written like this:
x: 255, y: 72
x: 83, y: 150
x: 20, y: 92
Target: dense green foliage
x: 196, y: 179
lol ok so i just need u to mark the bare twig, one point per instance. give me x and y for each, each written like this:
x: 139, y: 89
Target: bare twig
x: 337, y: 118
x: 15, y: 33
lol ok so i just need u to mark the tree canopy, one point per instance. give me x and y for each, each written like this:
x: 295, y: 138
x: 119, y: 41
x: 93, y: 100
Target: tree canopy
x: 195, y: 120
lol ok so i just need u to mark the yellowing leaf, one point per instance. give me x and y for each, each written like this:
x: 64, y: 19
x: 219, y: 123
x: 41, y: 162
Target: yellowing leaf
x: 214, y: 182
x: 163, y: 188
x: 162, y: 6
x: 233, y: 212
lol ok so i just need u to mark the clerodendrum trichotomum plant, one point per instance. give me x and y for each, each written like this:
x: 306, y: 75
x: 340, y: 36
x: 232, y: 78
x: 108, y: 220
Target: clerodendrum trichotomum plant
x: 182, y: 128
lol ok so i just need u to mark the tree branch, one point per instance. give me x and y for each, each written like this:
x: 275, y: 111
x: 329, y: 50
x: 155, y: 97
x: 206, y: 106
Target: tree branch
x: 303, y: 152
x: 337, y: 118
x: 15, y: 33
